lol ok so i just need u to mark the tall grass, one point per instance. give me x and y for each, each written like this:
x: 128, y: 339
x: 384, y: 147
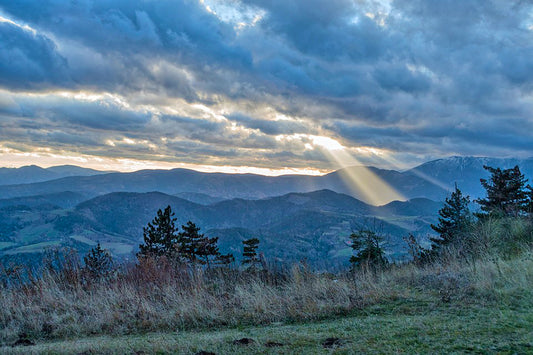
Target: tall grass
x: 159, y: 295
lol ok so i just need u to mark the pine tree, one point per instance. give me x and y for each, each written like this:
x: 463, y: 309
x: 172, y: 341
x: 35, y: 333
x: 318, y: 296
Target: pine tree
x: 249, y: 255
x: 368, y: 251
x: 506, y: 193
x: 208, y: 248
x: 454, y: 216
x: 224, y: 259
x: 98, y: 263
x: 196, y: 247
x: 160, y: 236
x: 529, y: 208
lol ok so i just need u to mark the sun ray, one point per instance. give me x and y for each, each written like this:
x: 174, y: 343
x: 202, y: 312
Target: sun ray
x: 362, y: 181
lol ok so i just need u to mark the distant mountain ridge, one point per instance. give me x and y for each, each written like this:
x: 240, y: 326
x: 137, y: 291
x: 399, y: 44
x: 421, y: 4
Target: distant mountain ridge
x: 466, y: 171
x: 31, y: 174
x: 431, y: 180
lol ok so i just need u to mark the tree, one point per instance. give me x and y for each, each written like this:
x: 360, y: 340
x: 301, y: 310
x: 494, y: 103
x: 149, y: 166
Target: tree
x: 160, y: 236
x: 249, y: 255
x: 529, y: 193
x: 506, y: 193
x: 196, y: 247
x: 208, y: 248
x: 419, y: 254
x: 454, y: 216
x: 366, y: 245
x: 98, y: 263
x: 224, y: 259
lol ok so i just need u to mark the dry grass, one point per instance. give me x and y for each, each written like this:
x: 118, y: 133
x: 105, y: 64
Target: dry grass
x: 149, y: 298
x: 159, y: 296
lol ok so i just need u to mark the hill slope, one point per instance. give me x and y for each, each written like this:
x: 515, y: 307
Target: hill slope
x: 312, y: 225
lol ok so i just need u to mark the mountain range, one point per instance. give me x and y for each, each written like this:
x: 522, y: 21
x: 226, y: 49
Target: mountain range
x: 33, y: 173
x: 431, y: 180
x: 295, y: 217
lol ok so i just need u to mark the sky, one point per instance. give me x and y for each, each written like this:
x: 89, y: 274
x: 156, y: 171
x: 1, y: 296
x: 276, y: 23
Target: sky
x: 269, y: 87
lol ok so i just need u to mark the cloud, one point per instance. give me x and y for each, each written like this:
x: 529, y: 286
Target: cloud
x: 29, y: 60
x: 415, y: 78
x: 270, y: 127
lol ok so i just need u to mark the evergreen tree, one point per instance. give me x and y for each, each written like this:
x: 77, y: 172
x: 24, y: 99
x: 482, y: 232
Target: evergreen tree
x: 506, y: 193
x: 249, y: 255
x: 196, y: 247
x: 98, y: 263
x: 368, y: 251
x: 454, y: 216
x: 224, y: 259
x: 529, y: 208
x: 160, y: 236
x: 208, y: 248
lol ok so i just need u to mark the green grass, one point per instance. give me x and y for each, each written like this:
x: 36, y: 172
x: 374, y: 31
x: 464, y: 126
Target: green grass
x: 4, y: 245
x: 405, y: 222
x: 83, y: 239
x: 392, y: 328
x: 34, y: 248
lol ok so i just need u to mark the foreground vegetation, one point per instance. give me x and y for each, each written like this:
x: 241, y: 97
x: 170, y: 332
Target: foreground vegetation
x: 485, y: 306
x: 447, y: 296
x: 399, y: 327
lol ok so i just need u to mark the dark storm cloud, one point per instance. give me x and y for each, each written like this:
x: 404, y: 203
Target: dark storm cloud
x: 399, y: 78
x: 433, y: 76
x: 28, y: 60
x: 136, y: 45
x: 103, y: 114
x: 327, y: 29
x: 183, y: 28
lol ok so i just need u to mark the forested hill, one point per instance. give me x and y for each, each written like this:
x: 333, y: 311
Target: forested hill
x: 314, y: 225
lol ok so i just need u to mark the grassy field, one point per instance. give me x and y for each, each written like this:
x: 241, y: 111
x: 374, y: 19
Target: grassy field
x: 490, y: 313
x: 397, y: 327
x: 457, y: 304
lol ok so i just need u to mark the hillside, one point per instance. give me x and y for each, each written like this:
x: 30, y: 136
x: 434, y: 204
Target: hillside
x: 312, y: 225
x: 66, y: 199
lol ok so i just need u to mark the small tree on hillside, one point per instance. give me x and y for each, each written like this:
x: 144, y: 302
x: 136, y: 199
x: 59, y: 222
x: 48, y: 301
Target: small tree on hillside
x: 506, y: 193
x: 160, y: 236
x: 249, y: 255
x: 224, y: 259
x: 207, y: 250
x: 366, y: 245
x: 98, y: 263
x: 454, y: 217
x: 419, y: 254
x: 196, y: 247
